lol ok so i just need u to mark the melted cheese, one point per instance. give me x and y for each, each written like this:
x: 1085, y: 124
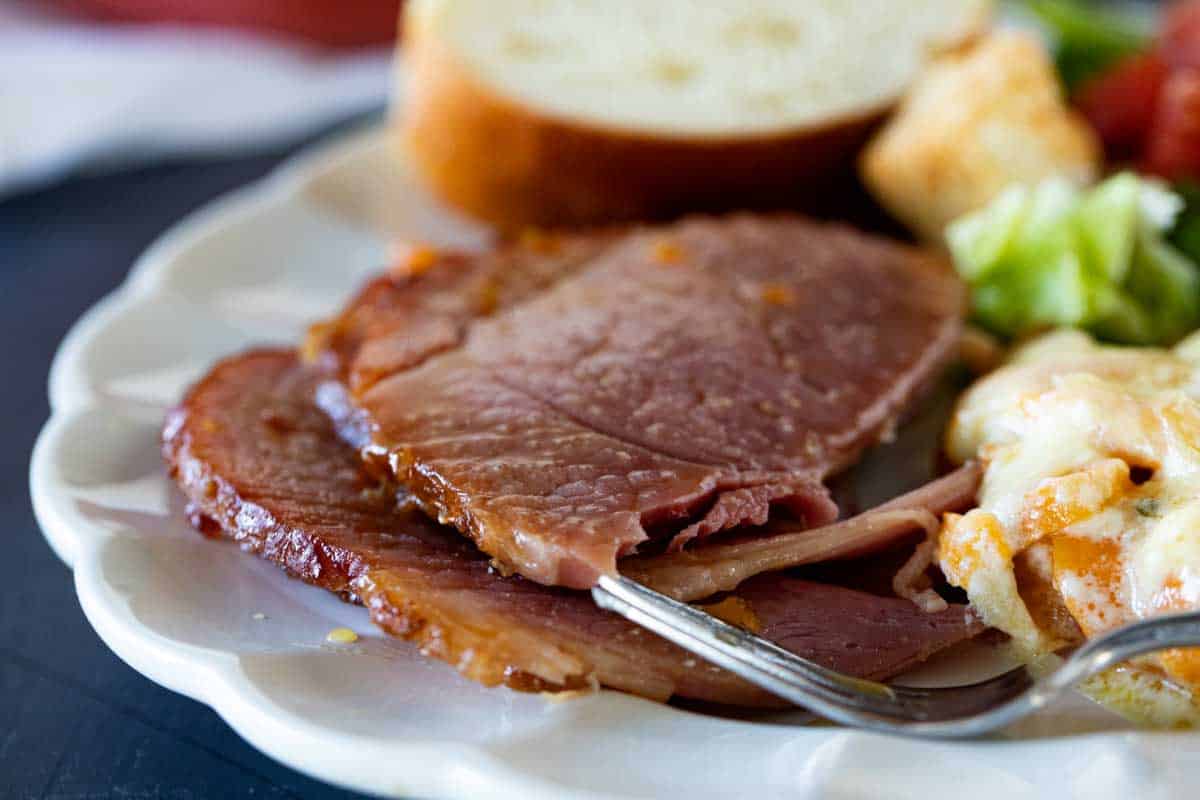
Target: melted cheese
x: 1094, y: 451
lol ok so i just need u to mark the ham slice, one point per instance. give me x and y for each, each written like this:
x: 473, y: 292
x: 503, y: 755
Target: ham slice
x: 873, y: 635
x: 674, y: 381
x: 263, y: 465
x: 722, y: 566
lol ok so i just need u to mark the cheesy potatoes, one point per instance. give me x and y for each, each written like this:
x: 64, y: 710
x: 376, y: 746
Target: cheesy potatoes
x: 1089, y: 511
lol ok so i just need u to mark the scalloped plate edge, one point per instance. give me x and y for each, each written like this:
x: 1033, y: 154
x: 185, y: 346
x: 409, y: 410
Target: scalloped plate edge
x: 412, y: 768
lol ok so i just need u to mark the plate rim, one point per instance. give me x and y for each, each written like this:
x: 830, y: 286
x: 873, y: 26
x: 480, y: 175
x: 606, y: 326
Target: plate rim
x: 414, y: 767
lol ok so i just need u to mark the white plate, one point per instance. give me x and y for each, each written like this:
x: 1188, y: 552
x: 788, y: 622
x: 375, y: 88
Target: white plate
x: 256, y: 267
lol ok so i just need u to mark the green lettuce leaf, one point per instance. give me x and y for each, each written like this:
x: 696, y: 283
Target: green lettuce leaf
x: 1098, y: 260
x: 1185, y: 234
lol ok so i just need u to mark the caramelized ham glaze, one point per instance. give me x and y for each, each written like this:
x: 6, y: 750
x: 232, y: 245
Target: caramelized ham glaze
x: 256, y: 457
x: 674, y: 381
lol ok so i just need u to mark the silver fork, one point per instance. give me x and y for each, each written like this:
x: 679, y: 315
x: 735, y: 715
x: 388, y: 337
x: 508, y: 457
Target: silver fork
x: 946, y: 713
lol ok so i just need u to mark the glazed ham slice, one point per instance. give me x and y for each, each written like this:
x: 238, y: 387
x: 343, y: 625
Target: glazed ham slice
x: 673, y: 381
x: 260, y: 463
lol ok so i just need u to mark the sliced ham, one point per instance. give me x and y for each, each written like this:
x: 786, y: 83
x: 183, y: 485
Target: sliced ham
x: 723, y: 566
x: 673, y: 381
x: 260, y: 463
x: 872, y: 636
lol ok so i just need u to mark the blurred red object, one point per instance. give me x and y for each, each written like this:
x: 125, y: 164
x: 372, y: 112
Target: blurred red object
x: 1173, y: 146
x: 1121, y: 103
x: 1146, y: 108
x: 330, y: 23
x: 1179, y: 38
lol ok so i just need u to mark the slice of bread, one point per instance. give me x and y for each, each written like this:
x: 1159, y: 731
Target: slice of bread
x: 556, y: 112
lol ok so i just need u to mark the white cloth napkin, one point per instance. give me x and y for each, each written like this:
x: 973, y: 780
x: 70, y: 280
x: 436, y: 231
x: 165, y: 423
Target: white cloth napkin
x: 75, y: 96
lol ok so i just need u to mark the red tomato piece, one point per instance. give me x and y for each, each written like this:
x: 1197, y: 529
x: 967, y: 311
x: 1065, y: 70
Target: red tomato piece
x: 1179, y: 39
x: 1120, y: 103
x: 1173, y: 147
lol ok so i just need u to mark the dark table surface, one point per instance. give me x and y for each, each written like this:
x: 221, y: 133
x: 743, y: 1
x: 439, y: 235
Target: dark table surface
x: 76, y: 722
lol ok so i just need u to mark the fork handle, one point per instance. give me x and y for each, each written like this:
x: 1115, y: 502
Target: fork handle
x: 874, y: 706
